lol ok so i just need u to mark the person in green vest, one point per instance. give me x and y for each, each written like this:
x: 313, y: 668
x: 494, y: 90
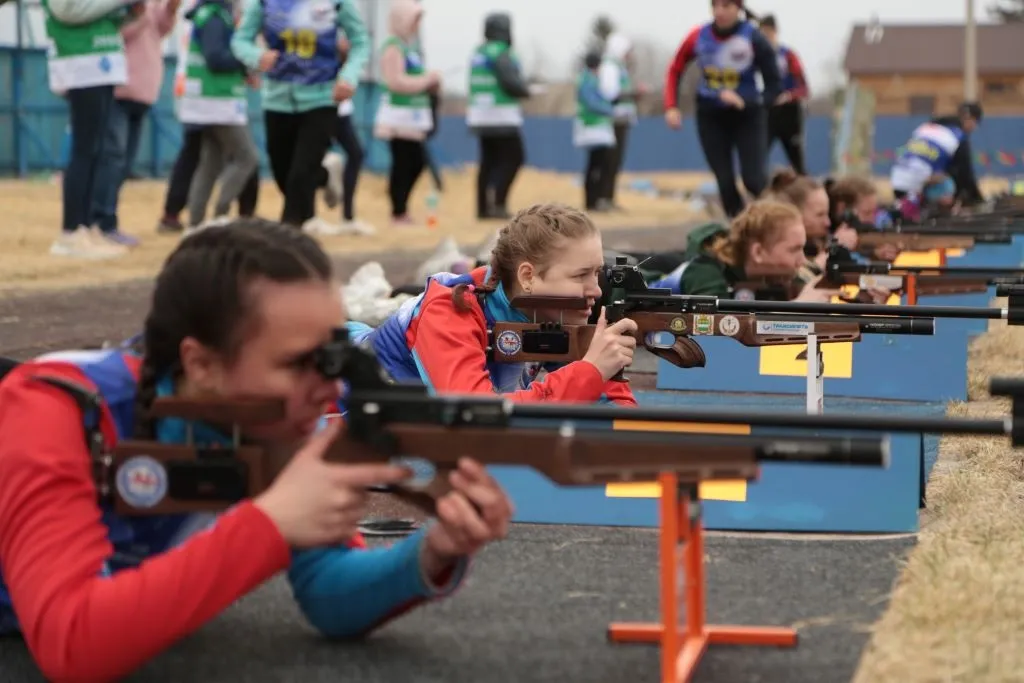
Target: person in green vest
x: 617, y: 85
x: 496, y: 85
x: 216, y: 101
x: 85, y: 60
x: 593, y: 129
x: 303, y: 83
x: 404, y: 116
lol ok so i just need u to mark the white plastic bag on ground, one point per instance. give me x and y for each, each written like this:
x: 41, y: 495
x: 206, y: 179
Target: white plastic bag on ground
x: 446, y: 258
x: 368, y: 295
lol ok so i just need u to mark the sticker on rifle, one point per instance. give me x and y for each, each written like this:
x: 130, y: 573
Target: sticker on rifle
x: 509, y: 343
x: 677, y: 325
x: 703, y: 324
x: 743, y: 295
x: 141, y: 481
x: 730, y: 326
x: 788, y: 327
x: 423, y: 471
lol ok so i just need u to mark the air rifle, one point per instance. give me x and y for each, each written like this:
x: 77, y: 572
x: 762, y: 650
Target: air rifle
x: 924, y: 280
x: 389, y: 422
x: 668, y: 333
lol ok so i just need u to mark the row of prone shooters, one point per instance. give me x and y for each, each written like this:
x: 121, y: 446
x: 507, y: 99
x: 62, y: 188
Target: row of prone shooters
x: 386, y: 421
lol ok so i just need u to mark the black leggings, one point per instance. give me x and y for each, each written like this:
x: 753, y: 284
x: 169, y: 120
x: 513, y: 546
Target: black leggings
x: 615, y: 160
x: 786, y: 124
x: 501, y: 157
x: 185, y: 167
x: 345, y: 134
x: 598, y: 166
x: 722, y: 130
x: 296, y: 145
x: 408, y: 158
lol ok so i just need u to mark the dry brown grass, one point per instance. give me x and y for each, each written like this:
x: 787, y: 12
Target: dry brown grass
x: 32, y: 220
x: 958, y: 608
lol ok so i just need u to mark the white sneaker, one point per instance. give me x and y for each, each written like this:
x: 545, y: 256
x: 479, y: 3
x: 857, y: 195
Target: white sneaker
x: 332, y: 163
x: 86, y: 243
x: 318, y: 226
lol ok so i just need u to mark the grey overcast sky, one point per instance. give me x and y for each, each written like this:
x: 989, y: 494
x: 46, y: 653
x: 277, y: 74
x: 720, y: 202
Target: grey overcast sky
x: 817, y: 29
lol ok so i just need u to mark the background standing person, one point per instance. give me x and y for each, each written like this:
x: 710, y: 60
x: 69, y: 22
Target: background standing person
x: 731, y: 116
x: 86, y: 60
x: 404, y: 117
x: 593, y: 129
x: 493, y: 114
x: 216, y: 100
x: 618, y: 87
x: 786, y: 116
x: 303, y: 83
x: 149, y: 23
x: 340, y: 176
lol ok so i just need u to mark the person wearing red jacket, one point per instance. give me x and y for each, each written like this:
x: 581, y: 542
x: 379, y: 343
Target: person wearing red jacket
x: 786, y: 117
x: 443, y: 337
x: 730, y: 115
x: 238, y: 311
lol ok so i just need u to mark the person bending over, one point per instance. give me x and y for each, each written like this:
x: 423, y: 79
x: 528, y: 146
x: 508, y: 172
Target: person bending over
x: 442, y: 336
x: 853, y: 206
x: 941, y: 145
x: 238, y: 311
x: 765, y: 241
x: 730, y: 52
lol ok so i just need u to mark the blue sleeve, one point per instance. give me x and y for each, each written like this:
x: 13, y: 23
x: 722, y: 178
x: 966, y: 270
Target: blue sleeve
x: 215, y: 42
x: 765, y: 62
x: 346, y: 592
x: 591, y: 97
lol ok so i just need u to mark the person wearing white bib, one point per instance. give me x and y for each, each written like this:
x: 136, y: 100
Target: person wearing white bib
x: 593, y: 130
x: 85, y: 60
x: 404, y: 116
x: 617, y: 85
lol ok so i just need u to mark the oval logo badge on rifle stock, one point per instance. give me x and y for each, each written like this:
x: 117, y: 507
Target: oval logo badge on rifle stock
x: 730, y: 326
x: 141, y: 481
x: 509, y: 343
x: 678, y: 325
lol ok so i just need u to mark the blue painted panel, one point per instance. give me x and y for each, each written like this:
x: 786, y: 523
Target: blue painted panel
x: 788, y: 497
x: 887, y: 367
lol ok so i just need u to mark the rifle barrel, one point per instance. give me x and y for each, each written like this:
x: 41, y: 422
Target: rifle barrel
x: 958, y: 312
x: 884, y: 268
x: 867, y: 324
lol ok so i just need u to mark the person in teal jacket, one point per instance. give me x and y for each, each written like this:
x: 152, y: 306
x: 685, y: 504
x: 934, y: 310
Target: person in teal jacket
x: 304, y: 81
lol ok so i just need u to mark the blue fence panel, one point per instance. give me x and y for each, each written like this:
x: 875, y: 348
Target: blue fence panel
x: 33, y: 122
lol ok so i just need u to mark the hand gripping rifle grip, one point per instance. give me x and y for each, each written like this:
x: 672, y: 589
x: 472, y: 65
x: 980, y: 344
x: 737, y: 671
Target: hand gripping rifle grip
x: 613, y: 314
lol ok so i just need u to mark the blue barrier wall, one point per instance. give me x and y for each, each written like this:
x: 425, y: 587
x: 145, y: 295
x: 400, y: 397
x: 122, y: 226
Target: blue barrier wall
x: 33, y: 122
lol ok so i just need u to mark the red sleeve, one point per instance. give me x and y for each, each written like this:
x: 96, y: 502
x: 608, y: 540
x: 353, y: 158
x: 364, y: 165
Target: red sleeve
x: 684, y: 55
x: 620, y: 394
x: 78, y: 625
x: 796, y: 68
x: 450, y: 347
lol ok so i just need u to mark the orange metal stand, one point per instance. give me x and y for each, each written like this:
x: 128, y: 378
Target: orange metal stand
x: 911, y: 282
x: 681, y: 548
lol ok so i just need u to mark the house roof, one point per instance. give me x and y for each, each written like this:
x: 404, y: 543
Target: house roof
x: 932, y: 48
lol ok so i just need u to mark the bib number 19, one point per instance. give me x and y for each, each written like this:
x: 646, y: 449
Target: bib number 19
x: 301, y: 42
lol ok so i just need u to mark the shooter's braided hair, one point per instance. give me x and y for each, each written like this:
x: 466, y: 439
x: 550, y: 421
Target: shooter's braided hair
x: 203, y: 291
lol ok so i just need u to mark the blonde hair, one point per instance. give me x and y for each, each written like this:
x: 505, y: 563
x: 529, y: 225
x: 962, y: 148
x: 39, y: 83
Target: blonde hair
x: 535, y: 235
x: 761, y: 222
x: 787, y: 185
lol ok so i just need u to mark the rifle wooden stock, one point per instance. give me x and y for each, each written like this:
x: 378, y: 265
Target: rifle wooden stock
x: 909, y: 241
x: 926, y: 285
x: 552, y: 342
x: 569, y: 457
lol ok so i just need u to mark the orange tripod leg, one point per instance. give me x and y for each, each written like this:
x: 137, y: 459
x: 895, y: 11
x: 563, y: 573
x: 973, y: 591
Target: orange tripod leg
x: 683, y: 645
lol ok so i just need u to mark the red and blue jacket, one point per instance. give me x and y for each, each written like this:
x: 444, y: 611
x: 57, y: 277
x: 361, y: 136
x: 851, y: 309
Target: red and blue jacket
x: 427, y: 339
x: 791, y: 70
x: 97, y: 595
x: 727, y: 61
